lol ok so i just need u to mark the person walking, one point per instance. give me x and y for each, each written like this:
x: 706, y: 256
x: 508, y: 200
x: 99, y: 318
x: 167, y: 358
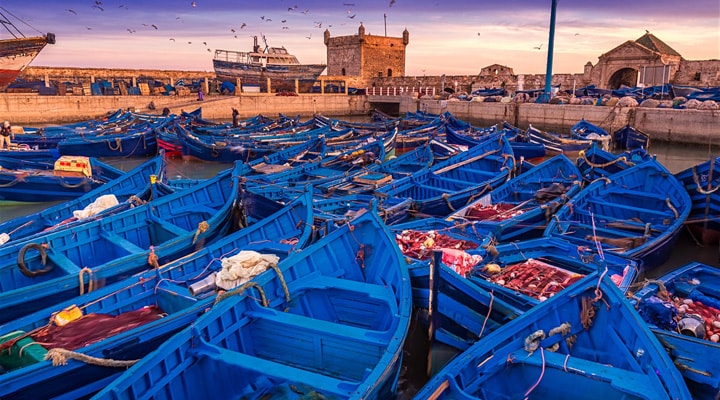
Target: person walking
x: 200, y: 95
x: 6, y: 134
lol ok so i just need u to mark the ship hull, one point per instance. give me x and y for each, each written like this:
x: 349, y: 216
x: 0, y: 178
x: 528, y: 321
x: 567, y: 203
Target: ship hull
x: 281, y: 76
x: 16, y: 55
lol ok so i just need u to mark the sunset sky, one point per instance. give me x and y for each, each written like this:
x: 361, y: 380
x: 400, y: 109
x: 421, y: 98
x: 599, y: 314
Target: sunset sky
x: 446, y: 36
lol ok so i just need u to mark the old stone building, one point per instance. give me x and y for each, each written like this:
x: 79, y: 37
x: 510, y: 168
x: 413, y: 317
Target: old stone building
x: 646, y: 61
x: 364, y: 56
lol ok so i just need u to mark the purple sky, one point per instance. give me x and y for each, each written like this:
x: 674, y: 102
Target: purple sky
x: 446, y: 36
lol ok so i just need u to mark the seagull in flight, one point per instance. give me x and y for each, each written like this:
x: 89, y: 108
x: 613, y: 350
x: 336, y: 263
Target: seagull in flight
x: 70, y: 10
x: 538, y: 47
x: 243, y: 25
x: 173, y: 39
x: 193, y: 4
x: 98, y: 7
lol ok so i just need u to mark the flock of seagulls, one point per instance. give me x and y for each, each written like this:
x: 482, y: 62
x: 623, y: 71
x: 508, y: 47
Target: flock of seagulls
x: 98, y: 5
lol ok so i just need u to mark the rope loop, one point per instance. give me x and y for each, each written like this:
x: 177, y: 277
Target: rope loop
x: 91, y: 283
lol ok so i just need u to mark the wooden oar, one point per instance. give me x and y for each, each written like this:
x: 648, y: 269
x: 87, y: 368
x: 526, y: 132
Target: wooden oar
x: 468, y: 161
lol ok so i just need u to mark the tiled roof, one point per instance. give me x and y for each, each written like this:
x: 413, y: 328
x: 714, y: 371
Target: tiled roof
x: 653, y: 43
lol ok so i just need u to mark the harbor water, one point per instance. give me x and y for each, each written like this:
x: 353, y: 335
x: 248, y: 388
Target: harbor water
x: 676, y: 157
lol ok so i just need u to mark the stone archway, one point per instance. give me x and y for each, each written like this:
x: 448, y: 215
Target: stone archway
x: 624, y: 76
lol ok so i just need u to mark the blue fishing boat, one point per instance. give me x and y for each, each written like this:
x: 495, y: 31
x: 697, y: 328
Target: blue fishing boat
x: 137, y: 140
x: 62, y: 179
x: 68, y: 262
x: 330, y: 323
x: 455, y: 182
x: 587, y: 341
x: 682, y: 308
x: 702, y: 182
x: 557, y: 143
x: 588, y: 131
x: 637, y: 213
x: 126, y: 190
x: 630, y: 138
x: 346, y: 160
x: 526, y: 273
x: 521, y: 207
x: 461, y: 132
x: 381, y: 173
x: 597, y: 163
x: 96, y: 336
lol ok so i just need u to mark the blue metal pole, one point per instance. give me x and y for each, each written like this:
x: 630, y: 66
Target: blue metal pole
x: 550, y: 49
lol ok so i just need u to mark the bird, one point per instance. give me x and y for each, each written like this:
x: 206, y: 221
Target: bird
x: 285, y: 27
x: 98, y: 2
x: 88, y: 28
x: 232, y: 30
x: 70, y: 10
x: 189, y: 42
x: 205, y: 43
x: 306, y: 11
x: 173, y: 39
x: 209, y: 50
x: 262, y: 17
x: 309, y: 37
x: 284, y: 21
x: 538, y: 47
x: 98, y: 7
x: 154, y: 26
x: 391, y: 3
x: 243, y: 25
x: 131, y: 30
x: 123, y: 6
x: 577, y: 34
x: 478, y: 33
x: 351, y: 16
x: 193, y: 4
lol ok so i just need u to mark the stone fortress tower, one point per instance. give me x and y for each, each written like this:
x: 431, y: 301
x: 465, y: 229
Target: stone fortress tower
x: 362, y: 57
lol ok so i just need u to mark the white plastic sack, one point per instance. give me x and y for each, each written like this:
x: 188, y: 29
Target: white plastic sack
x: 242, y: 267
x: 101, y: 203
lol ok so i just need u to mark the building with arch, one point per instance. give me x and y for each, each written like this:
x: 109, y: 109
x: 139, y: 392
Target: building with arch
x: 647, y: 61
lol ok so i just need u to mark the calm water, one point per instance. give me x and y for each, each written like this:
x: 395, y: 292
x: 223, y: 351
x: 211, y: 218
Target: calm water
x: 675, y: 157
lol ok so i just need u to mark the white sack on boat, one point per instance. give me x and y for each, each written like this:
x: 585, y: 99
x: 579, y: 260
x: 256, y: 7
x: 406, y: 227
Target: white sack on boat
x: 242, y: 267
x: 100, y: 204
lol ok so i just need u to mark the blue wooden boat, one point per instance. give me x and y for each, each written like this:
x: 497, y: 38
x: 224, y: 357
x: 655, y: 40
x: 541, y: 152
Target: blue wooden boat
x: 127, y: 189
x: 461, y: 132
x: 638, y: 213
x: 62, y: 179
x: 630, y: 138
x: 526, y: 273
x: 681, y: 308
x: 337, y: 165
x: 585, y: 342
x: 455, y: 182
x: 134, y: 316
x: 702, y: 182
x: 556, y: 143
x: 521, y: 207
x: 379, y: 174
x: 65, y: 263
x: 330, y: 324
x: 137, y: 140
x: 588, y: 131
x: 595, y: 163
x: 25, y: 152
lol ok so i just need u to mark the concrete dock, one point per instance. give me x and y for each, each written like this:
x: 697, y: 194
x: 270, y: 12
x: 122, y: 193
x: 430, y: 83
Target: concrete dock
x: 663, y: 124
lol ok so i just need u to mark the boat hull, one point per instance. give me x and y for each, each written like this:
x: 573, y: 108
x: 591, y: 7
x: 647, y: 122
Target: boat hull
x: 279, y: 75
x: 16, y: 55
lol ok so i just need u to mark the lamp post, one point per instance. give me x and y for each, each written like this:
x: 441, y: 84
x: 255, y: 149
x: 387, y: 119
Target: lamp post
x: 551, y: 44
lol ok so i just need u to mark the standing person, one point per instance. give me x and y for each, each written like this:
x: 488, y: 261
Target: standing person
x: 200, y: 95
x: 235, y: 114
x: 5, y: 134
